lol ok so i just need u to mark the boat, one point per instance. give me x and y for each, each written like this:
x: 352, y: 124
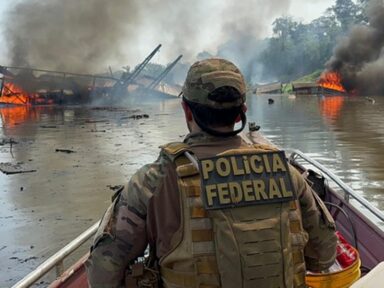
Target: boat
x: 359, y: 225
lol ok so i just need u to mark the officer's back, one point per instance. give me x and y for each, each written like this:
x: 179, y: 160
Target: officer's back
x: 216, y: 211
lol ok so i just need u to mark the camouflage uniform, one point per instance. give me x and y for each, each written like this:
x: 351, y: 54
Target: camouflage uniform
x: 149, y: 210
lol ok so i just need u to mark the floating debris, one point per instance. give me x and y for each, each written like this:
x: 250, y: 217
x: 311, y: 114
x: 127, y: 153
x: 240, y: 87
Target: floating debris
x: 48, y: 126
x: 253, y: 127
x: 271, y: 101
x: 98, y: 131
x: 97, y: 121
x: 14, y: 168
x: 138, y: 116
x: 115, y: 109
x: 115, y: 187
x: 65, y: 151
x: 370, y: 99
x: 7, y: 141
x: 116, y: 191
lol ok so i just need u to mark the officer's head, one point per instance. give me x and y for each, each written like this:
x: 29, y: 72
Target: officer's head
x: 214, y: 97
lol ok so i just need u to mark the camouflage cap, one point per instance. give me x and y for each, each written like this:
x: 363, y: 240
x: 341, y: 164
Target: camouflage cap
x: 207, y: 75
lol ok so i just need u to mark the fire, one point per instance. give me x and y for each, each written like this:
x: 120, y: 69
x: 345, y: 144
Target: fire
x: 331, y: 80
x: 13, y: 94
x: 12, y: 116
x: 330, y: 107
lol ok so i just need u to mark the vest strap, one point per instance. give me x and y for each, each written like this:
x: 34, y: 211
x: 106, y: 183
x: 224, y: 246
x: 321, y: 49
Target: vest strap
x: 198, y: 212
x: 186, y: 170
x: 178, y: 278
x: 207, y: 267
x: 191, y: 191
x: 299, y: 280
x: 174, y: 148
x: 292, y: 205
x: 264, y: 147
x: 297, y: 257
x: 202, y: 235
x: 203, y: 248
x: 295, y: 226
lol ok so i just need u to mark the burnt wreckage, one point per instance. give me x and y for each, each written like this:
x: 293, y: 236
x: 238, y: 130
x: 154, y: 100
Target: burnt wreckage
x: 29, y: 86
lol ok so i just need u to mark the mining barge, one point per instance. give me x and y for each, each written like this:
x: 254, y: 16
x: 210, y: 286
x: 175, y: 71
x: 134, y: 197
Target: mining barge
x: 30, y: 86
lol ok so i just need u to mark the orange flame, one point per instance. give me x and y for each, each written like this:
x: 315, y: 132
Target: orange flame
x: 330, y: 107
x: 13, y: 94
x: 12, y: 116
x: 331, y: 80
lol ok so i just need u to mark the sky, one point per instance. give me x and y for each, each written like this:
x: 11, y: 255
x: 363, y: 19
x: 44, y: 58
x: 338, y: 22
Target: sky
x: 300, y: 9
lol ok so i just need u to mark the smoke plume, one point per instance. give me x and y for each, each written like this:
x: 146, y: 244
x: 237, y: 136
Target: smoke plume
x: 89, y: 35
x: 359, y: 58
x: 67, y: 35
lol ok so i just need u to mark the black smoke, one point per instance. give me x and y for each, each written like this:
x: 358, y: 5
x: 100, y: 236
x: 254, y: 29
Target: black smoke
x: 87, y: 36
x: 359, y: 57
x: 72, y: 35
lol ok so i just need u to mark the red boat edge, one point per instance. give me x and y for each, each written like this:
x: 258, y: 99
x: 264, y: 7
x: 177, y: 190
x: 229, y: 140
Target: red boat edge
x: 74, y: 277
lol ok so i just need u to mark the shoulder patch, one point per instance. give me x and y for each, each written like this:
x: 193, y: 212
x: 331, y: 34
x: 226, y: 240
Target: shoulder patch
x: 254, y: 148
x: 174, y: 149
x: 264, y: 147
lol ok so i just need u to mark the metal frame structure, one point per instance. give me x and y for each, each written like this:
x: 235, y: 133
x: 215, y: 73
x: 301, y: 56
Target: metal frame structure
x: 119, y: 87
x: 4, y: 70
x: 127, y: 78
x: 9, y: 76
x: 163, y: 74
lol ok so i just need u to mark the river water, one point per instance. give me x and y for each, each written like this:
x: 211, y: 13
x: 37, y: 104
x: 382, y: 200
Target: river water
x: 41, y: 211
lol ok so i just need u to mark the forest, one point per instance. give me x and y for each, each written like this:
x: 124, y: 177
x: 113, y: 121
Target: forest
x: 297, y: 49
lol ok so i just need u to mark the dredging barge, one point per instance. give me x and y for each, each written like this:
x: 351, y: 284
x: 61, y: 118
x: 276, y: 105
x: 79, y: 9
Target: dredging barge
x: 30, y: 86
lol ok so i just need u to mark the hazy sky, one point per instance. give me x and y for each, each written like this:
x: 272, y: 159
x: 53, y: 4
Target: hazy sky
x: 300, y: 9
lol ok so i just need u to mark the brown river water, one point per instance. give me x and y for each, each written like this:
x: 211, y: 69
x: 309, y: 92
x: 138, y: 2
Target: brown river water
x: 42, y: 211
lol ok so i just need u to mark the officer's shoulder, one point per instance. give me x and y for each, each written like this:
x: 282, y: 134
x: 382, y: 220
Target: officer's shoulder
x: 298, y: 180
x: 173, y: 149
x: 264, y: 147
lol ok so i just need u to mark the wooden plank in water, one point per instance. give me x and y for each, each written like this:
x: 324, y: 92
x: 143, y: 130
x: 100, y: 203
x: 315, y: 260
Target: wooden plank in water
x: 14, y: 168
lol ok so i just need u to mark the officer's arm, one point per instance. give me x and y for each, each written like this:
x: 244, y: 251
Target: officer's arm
x: 320, y: 251
x: 122, y: 237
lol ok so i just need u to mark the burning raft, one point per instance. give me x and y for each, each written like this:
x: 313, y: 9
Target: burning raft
x: 27, y: 86
x: 328, y: 83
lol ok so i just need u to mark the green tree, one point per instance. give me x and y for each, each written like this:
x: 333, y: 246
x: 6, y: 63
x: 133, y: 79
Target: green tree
x: 296, y: 48
x: 348, y: 13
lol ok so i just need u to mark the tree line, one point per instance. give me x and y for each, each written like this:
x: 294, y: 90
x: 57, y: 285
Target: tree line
x: 296, y: 49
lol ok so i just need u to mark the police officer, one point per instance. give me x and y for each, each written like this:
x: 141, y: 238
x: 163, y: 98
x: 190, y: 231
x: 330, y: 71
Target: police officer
x: 216, y: 211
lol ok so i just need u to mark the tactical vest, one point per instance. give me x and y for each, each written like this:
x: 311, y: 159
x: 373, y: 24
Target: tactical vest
x: 251, y: 246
